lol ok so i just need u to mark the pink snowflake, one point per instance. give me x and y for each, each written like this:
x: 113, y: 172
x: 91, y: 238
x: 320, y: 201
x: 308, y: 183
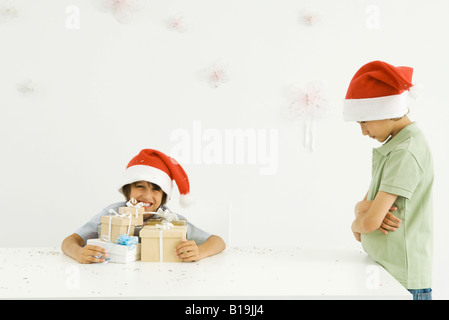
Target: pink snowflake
x: 308, y: 101
x: 122, y: 10
x: 177, y: 23
x: 309, y: 16
x: 308, y: 104
x: 216, y: 74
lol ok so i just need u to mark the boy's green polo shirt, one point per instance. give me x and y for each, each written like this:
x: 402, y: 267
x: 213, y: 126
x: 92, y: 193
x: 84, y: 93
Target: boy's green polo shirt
x: 404, y: 166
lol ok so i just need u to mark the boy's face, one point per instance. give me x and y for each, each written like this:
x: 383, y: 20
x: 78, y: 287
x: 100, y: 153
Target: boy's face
x: 377, y: 129
x: 148, y: 194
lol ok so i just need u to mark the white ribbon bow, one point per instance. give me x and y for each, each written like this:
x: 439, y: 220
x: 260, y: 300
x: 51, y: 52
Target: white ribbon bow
x: 134, y: 204
x: 167, y: 214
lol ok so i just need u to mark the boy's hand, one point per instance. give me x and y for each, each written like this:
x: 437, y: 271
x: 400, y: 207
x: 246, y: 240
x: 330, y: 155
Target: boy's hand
x: 390, y: 222
x: 187, y: 251
x: 92, y: 254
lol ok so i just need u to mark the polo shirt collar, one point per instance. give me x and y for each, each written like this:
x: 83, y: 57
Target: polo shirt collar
x: 402, y: 135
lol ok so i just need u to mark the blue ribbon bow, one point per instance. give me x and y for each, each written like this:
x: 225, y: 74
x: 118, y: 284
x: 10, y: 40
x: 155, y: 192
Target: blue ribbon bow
x: 129, y: 241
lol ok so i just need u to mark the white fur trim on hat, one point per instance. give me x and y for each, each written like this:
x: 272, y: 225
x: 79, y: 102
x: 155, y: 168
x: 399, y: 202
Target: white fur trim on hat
x: 185, y: 200
x: 150, y: 174
x: 415, y: 91
x: 381, y: 108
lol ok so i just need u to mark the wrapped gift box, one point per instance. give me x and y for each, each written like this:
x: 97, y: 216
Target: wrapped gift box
x: 132, y: 211
x: 154, y: 240
x: 118, y: 253
x: 119, y: 225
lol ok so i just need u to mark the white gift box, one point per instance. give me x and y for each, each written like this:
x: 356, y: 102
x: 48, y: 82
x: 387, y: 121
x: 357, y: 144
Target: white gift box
x: 118, y: 253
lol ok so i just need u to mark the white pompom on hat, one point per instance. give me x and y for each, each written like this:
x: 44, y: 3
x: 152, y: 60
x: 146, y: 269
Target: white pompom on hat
x: 156, y: 167
x: 378, y: 91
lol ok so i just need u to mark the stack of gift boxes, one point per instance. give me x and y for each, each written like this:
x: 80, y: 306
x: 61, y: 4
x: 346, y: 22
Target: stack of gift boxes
x: 156, y: 240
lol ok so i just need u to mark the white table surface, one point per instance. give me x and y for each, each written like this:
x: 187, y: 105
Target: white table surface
x: 236, y: 273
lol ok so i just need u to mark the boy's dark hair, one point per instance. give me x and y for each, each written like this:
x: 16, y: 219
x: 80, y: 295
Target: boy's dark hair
x: 127, y: 192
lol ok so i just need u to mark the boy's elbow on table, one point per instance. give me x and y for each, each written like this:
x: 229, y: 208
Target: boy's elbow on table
x: 218, y: 242
x: 213, y: 245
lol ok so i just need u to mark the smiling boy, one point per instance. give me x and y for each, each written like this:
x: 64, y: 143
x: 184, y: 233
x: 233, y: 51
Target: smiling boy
x: 148, y: 178
x: 402, y: 177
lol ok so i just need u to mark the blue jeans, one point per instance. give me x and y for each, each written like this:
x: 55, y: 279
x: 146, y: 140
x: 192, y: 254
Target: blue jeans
x: 421, y: 294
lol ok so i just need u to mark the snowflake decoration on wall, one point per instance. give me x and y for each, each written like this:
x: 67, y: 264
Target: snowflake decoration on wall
x: 7, y: 11
x: 307, y: 101
x: 26, y: 87
x: 216, y: 74
x: 309, y: 17
x: 178, y: 23
x: 122, y: 10
x: 309, y: 104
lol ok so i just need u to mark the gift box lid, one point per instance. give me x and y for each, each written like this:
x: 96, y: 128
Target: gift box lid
x: 117, y: 220
x: 114, y: 248
x: 131, y: 210
x: 155, y: 221
x: 151, y: 231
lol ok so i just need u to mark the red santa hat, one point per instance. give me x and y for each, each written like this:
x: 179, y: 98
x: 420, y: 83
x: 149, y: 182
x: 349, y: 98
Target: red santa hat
x: 378, y: 91
x: 156, y: 167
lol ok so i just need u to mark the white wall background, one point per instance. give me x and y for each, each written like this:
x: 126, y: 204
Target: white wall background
x: 105, y: 90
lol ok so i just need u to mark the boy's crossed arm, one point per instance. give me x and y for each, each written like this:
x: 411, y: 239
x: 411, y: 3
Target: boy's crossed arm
x: 373, y: 215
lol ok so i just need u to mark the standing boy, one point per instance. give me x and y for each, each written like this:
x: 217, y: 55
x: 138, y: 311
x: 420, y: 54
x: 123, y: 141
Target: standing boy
x: 402, y: 177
